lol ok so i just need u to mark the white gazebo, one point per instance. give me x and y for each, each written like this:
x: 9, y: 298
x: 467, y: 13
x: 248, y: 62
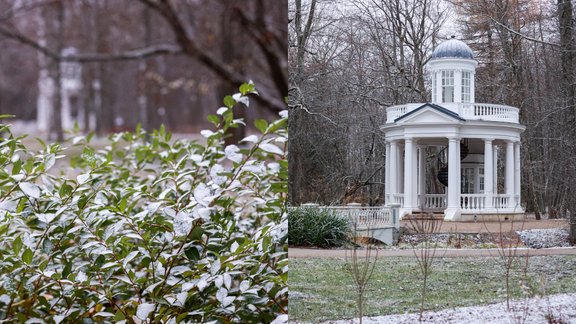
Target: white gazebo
x: 457, y: 139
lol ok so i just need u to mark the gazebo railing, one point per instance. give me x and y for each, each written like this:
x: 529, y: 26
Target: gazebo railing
x: 472, y: 201
x: 469, y: 111
x: 369, y: 216
x: 434, y: 201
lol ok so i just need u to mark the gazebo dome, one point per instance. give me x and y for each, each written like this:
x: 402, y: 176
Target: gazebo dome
x: 453, y: 48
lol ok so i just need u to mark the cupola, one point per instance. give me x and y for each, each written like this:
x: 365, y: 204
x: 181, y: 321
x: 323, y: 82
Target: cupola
x: 452, y: 68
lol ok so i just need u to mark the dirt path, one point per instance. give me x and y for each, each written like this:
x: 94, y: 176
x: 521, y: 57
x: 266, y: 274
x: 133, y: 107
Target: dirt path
x: 441, y: 253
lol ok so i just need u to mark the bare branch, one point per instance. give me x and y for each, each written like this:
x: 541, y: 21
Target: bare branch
x: 136, y: 54
x: 532, y: 39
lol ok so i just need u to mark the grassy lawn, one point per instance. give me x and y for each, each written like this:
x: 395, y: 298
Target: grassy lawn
x: 321, y: 289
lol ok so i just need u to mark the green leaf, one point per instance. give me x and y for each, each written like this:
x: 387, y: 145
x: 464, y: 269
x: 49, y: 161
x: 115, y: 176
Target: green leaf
x: 27, y: 256
x: 214, y: 120
x: 247, y: 88
x: 17, y: 245
x: 261, y: 124
x: 229, y: 101
x: 42, y: 266
x: 119, y: 316
x: 16, y: 167
x: 277, y: 125
x: 65, y: 190
x: 82, y: 201
x: 192, y: 253
x: 122, y: 204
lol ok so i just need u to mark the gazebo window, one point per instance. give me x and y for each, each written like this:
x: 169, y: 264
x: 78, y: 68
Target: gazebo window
x: 434, y: 85
x: 447, y: 86
x: 467, y: 180
x: 466, y: 87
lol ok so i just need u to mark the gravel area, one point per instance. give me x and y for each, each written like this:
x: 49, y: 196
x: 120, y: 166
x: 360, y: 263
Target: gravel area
x: 550, y: 309
x: 532, y: 238
x: 544, y: 238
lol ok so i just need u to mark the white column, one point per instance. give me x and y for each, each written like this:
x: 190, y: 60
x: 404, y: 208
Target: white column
x: 408, y: 174
x: 495, y: 164
x: 414, y: 174
x: 517, y: 183
x: 488, y: 172
x: 393, y: 173
x: 387, y: 199
x: 453, y: 180
x: 400, y: 164
x: 509, y: 172
x: 422, y: 175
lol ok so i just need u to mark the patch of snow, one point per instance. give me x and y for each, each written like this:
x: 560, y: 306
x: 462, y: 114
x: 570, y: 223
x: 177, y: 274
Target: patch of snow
x: 538, y: 310
x: 544, y: 238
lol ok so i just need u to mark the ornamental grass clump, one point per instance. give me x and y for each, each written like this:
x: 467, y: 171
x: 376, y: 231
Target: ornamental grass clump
x: 150, y: 230
x: 320, y: 227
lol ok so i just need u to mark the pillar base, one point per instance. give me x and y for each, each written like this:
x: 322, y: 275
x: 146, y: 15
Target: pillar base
x: 452, y: 214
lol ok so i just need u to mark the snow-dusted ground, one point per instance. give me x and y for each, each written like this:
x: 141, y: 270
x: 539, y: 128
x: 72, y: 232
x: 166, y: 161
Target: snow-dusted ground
x: 544, y: 238
x: 549, y: 309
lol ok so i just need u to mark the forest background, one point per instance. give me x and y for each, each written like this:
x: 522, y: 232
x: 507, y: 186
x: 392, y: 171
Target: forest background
x: 151, y: 62
x: 351, y: 59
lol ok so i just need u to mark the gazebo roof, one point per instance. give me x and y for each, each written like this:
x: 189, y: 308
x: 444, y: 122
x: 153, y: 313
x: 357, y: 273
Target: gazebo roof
x: 453, y: 48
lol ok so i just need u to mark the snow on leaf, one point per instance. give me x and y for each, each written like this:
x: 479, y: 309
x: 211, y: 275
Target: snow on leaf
x: 196, y: 157
x: 187, y: 286
x: 129, y: 257
x: 144, y: 310
x: 215, y: 174
x: 104, y: 314
x: 49, y: 163
x: 244, y: 285
x: 58, y: 318
x: 46, y: 218
x: 227, y: 280
x: 202, y: 195
x: 201, y: 284
x: 222, y: 110
x: 250, y: 138
x: 242, y: 99
x: 182, y: 224
x: 281, y: 319
x: 9, y: 205
x: 215, y: 267
x: 206, y: 133
x: 228, y: 300
x: 205, y: 213
x: 82, y: 178
x: 181, y: 297
x: 283, y: 114
x: 232, y: 153
x: 219, y: 281
x: 271, y: 148
x: 30, y: 189
x: 81, y: 277
x: 274, y: 167
x: 221, y: 294
x: 234, y: 247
